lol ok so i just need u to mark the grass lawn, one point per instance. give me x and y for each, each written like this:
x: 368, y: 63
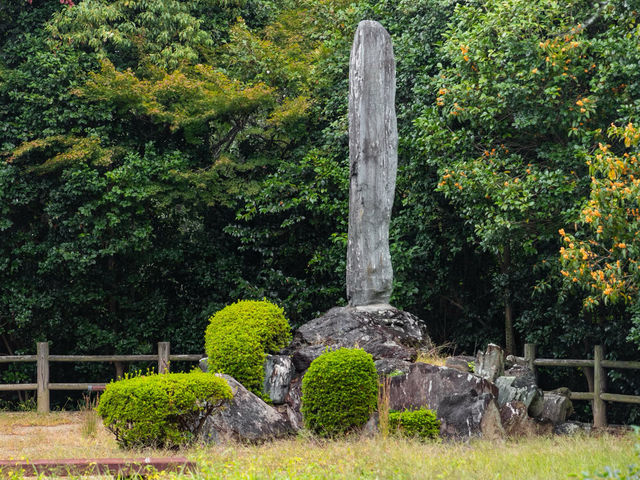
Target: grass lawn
x: 63, y: 435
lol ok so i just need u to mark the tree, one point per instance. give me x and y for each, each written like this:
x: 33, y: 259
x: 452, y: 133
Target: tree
x: 525, y: 98
x: 125, y: 147
x: 602, y: 255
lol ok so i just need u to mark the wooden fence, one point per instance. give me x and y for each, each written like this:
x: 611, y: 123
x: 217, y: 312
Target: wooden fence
x: 599, y: 395
x: 43, y: 359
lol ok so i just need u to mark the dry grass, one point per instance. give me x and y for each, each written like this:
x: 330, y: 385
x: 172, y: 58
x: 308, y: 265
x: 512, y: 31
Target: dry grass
x: 59, y: 435
x: 437, y: 355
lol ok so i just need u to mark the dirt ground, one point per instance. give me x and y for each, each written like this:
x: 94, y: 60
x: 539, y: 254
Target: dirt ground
x: 57, y: 435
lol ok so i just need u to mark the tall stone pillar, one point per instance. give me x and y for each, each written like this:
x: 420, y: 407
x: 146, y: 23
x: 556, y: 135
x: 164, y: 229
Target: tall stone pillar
x: 373, y: 155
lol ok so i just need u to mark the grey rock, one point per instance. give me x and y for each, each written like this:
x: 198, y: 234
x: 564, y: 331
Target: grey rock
x: 572, y: 428
x: 464, y: 403
x: 520, y: 389
x: 370, y: 429
x: 392, y: 366
x: 293, y: 400
x: 278, y: 372
x: 305, y: 354
x: 245, y: 418
x: 373, y: 155
x: 387, y: 333
x: 294, y: 417
x: 556, y: 407
x: 490, y: 364
x: 460, y: 362
x: 512, y: 360
x: 517, y: 423
x: 204, y: 364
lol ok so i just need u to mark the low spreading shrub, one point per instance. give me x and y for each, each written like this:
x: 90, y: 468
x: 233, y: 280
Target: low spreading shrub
x: 165, y: 410
x: 240, y: 335
x: 422, y: 423
x: 339, y: 392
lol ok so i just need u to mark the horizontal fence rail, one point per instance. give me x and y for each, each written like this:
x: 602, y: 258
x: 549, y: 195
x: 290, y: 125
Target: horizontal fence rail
x: 43, y: 360
x: 599, y: 395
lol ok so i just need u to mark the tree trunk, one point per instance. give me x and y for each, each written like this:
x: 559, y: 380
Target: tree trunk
x: 509, y: 335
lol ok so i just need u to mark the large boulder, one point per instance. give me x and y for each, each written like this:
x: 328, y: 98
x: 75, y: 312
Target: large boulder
x: 384, y: 332
x: 464, y: 403
x: 245, y: 418
x: 517, y: 423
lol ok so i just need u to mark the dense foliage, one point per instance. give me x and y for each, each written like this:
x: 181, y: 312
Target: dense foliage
x: 240, y: 336
x: 160, y: 159
x: 339, y: 392
x: 160, y: 410
x: 421, y: 423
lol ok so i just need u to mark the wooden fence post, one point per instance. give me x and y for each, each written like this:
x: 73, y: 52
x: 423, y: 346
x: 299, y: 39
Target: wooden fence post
x: 43, y: 377
x: 599, y: 387
x: 164, y: 349
x: 530, y: 356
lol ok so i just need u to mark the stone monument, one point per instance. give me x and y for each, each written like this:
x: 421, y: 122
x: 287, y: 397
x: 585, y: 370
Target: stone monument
x: 465, y: 403
x: 373, y: 155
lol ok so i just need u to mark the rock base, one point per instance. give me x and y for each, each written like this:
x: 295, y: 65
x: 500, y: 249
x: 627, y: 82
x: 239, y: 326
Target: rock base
x: 245, y: 418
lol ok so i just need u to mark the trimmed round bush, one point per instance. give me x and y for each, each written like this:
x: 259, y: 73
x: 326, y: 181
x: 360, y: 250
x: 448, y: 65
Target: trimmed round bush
x: 161, y: 410
x: 240, y: 335
x: 339, y: 392
x: 422, y: 423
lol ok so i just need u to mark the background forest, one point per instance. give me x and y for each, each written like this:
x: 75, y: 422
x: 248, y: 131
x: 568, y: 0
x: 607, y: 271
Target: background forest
x: 160, y: 159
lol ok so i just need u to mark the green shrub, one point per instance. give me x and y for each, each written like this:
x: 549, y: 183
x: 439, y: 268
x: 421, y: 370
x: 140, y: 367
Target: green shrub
x: 421, y: 423
x: 240, y: 335
x: 339, y: 391
x: 160, y: 410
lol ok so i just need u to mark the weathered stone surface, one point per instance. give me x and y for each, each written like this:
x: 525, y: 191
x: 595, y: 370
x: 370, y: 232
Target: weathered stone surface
x: 305, y: 354
x: 294, y: 417
x: 204, y: 364
x: 388, y: 333
x: 512, y: 360
x: 371, y: 428
x: 572, y: 428
x: 517, y: 423
x: 521, y: 371
x: 490, y: 364
x: 245, y: 418
x: 278, y: 372
x: 464, y: 403
x: 392, y: 366
x: 522, y: 388
x: 466, y: 415
x: 373, y: 155
x: 293, y: 400
x: 460, y: 362
x: 556, y: 407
